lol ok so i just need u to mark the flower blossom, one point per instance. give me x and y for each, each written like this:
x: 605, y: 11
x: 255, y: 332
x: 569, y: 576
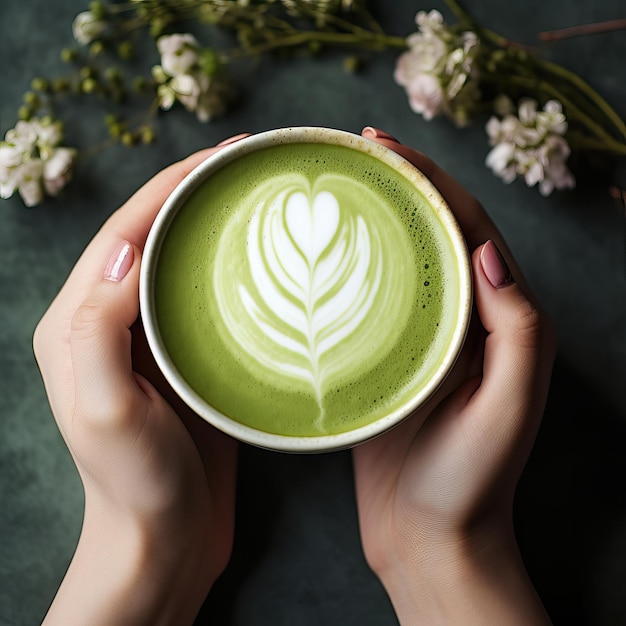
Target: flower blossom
x: 187, y: 75
x: 86, y: 27
x: 436, y: 69
x: 531, y: 145
x: 32, y: 162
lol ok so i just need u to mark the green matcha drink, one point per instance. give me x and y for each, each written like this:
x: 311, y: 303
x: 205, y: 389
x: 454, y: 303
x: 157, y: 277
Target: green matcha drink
x: 305, y: 289
x: 308, y: 289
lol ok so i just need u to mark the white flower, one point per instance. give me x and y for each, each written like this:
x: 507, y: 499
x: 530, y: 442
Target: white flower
x: 57, y: 170
x: 86, y: 27
x: 425, y: 54
x: 552, y: 118
x: 185, y: 76
x: 187, y: 89
x: 28, y: 177
x: 10, y: 159
x: 532, y: 146
x: 23, y: 136
x: 48, y: 133
x: 554, y: 154
x: 527, y: 111
x: 425, y: 95
x: 499, y: 159
x: 414, y: 72
x: 31, y: 161
x: 179, y: 53
x: 437, y: 70
x: 430, y: 22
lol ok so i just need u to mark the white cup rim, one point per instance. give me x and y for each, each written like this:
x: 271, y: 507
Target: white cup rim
x: 248, y: 434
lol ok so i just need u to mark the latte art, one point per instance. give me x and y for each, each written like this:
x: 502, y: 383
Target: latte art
x: 307, y: 303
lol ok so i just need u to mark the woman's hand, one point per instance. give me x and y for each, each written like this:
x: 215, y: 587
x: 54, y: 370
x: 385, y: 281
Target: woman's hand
x: 435, y: 495
x: 159, y: 482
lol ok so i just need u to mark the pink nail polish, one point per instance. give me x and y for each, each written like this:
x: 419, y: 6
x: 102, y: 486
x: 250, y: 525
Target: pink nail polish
x: 495, y: 267
x: 377, y: 133
x: 120, y: 262
x: 226, y: 142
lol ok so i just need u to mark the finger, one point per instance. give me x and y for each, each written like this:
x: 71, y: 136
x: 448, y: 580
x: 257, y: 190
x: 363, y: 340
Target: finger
x: 518, y: 357
x: 106, y: 392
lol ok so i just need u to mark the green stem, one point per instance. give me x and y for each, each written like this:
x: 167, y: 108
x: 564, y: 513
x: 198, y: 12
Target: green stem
x: 589, y: 91
x: 461, y: 14
x: 367, y: 40
x: 581, y: 142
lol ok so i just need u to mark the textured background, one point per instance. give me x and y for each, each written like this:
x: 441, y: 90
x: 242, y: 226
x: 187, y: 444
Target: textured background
x: 297, y: 557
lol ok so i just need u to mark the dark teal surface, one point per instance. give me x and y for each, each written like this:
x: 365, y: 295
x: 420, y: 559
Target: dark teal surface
x: 297, y: 558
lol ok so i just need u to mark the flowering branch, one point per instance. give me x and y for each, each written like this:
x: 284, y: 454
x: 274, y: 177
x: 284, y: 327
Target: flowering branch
x: 538, y: 112
x: 460, y: 70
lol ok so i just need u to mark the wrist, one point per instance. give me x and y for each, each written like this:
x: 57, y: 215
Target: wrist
x: 470, y: 578
x: 129, y: 570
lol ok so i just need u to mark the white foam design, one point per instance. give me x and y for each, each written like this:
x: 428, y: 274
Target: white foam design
x: 315, y: 275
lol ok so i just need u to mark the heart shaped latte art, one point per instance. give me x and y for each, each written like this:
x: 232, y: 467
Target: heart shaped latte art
x: 307, y: 302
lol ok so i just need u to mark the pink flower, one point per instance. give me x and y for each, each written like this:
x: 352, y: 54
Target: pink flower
x: 425, y: 95
x: 437, y: 69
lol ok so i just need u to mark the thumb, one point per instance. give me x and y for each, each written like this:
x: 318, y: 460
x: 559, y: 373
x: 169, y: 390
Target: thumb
x: 518, y: 351
x: 100, y: 341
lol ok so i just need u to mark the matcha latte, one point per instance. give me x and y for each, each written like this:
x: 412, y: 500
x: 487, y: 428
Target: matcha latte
x: 299, y: 286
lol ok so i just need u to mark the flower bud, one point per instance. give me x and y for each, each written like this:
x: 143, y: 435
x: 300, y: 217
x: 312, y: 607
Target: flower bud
x: 31, y: 99
x: 40, y: 84
x: 89, y: 85
x: 68, y: 55
x: 96, y: 48
x: 148, y: 135
x: 24, y: 112
x: 128, y: 139
x: 125, y: 50
x: 97, y: 9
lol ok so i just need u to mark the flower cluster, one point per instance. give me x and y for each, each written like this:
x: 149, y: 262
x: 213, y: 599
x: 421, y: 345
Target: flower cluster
x: 530, y: 144
x: 436, y: 69
x: 188, y: 73
x: 460, y: 71
x: 32, y: 162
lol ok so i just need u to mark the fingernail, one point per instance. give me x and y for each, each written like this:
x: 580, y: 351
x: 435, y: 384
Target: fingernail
x: 120, y: 262
x: 233, y: 139
x: 495, y: 267
x: 376, y: 133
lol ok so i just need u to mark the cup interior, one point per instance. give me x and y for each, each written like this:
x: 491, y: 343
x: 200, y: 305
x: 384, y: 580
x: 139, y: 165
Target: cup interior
x: 232, y: 152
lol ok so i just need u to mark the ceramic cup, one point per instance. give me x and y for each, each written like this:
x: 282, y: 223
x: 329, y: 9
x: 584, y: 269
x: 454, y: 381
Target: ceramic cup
x: 305, y: 289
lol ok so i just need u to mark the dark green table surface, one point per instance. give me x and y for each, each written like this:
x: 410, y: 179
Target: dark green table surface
x: 297, y: 558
